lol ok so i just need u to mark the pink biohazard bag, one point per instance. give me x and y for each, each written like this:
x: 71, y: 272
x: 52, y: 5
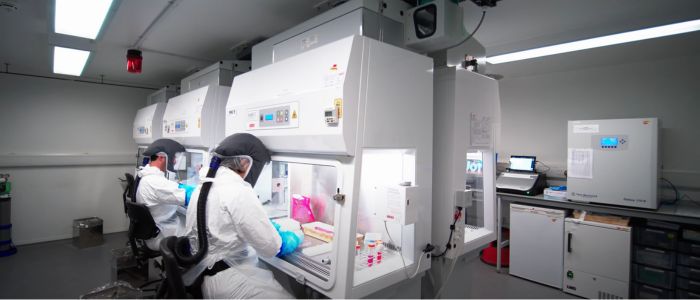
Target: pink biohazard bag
x: 301, y: 209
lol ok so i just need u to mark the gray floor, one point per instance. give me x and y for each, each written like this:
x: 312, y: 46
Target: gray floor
x: 60, y: 270
x: 486, y: 283
x: 57, y: 269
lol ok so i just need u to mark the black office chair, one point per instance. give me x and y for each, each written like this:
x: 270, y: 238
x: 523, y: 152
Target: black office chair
x: 128, y: 195
x: 173, y: 286
x: 141, y: 228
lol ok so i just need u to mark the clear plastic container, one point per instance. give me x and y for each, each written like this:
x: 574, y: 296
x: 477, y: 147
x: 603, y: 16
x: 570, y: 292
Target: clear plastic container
x: 655, y: 257
x: 654, y: 277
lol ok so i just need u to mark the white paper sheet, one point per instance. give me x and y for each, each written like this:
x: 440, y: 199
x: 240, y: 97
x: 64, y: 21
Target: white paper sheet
x: 481, y: 129
x: 580, y: 163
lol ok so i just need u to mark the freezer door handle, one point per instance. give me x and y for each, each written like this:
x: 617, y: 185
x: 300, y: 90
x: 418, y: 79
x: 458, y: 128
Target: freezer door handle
x: 568, y: 242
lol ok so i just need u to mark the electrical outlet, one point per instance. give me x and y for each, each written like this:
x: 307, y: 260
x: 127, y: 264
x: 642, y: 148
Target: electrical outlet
x: 457, y: 241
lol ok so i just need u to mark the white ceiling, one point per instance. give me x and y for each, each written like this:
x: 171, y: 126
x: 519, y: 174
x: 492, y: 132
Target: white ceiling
x: 199, y: 32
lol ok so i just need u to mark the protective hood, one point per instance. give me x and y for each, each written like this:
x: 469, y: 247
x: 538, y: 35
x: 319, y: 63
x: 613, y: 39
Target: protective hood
x: 244, y: 144
x: 169, y: 147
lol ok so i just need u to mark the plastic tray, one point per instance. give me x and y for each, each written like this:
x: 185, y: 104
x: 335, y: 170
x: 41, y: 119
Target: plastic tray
x: 692, y: 234
x: 688, y: 272
x: 688, y: 260
x: 689, y: 247
x: 655, y: 257
x: 654, y: 277
x: 688, y: 284
x: 682, y: 294
x: 656, y: 237
x: 643, y: 291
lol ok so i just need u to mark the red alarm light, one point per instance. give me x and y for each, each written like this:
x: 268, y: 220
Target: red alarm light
x: 133, y: 61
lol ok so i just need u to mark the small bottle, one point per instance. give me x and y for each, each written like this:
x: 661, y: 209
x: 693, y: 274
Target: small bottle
x: 357, y: 249
x: 380, y: 249
x: 370, y: 255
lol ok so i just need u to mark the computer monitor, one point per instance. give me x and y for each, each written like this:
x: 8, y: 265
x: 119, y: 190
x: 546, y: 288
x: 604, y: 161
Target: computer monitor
x: 522, y: 163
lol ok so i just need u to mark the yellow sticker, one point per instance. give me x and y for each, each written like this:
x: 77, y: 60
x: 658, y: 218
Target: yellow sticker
x: 294, y: 114
x: 338, y: 102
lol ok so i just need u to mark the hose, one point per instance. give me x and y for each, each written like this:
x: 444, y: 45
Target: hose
x: 185, y: 258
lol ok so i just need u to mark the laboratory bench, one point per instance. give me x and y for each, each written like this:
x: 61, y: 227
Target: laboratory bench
x: 682, y: 212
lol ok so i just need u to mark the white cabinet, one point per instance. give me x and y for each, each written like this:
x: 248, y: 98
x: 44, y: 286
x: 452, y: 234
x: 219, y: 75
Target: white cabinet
x: 596, y: 259
x: 536, y: 236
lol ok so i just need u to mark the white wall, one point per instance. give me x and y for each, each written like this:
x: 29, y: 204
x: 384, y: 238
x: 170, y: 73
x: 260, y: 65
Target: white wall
x: 535, y: 110
x: 62, y: 125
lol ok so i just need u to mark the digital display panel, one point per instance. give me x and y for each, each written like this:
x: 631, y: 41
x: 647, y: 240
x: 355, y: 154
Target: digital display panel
x: 269, y: 117
x: 522, y: 163
x: 609, y: 141
x: 329, y: 113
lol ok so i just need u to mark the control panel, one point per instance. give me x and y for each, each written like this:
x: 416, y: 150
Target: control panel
x: 176, y: 126
x: 610, y: 142
x: 280, y: 116
x: 331, y: 115
x: 142, y: 130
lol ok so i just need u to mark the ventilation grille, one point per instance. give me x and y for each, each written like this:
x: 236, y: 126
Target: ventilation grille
x: 606, y: 295
x: 319, y: 270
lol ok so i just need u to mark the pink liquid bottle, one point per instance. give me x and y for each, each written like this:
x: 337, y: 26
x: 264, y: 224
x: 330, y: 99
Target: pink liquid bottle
x: 379, y: 251
x: 370, y: 255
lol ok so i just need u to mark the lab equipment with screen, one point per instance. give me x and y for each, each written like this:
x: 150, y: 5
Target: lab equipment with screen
x: 614, y: 162
x: 355, y: 179
x: 195, y: 119
x: 521, y: 177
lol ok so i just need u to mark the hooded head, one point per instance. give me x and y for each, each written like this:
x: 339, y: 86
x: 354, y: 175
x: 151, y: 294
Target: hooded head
x: 234, y: 150
x: 170, y: 148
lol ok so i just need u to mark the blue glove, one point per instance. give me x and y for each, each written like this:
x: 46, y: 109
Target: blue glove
x: 188, y: 191
x: 290, y: 240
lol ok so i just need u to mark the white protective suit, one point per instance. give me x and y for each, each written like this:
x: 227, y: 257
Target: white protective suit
x: 162, y: 197
x: 238, y: 229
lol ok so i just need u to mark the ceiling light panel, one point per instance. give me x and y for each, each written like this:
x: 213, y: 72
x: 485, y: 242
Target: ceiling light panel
x: 614, y: 39
x: 82, y: 18
x: 69, y: 61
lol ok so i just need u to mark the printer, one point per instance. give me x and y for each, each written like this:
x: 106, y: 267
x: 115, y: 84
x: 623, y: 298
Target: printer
x: 521, y: 177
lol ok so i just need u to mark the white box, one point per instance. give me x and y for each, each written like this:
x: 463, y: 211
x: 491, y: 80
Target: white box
x: 401, y: 202
x: 596, y: 259
x: 614, y: 162
x: 536, y: 236
x: 554, y: 194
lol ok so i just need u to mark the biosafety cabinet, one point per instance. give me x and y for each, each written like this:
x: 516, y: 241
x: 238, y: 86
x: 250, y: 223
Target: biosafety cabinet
x: 147, y: 127
x: 350, y: 127
x: 196, y: 120
x: 466, y: 118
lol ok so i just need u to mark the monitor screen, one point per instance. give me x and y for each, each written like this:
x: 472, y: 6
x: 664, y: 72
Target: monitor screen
x: 608, y: 142
x: 522, y: 163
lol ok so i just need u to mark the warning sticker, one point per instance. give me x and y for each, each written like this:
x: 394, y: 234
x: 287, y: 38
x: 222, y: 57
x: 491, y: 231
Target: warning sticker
x: 294, y: 114
x: 338, y: 103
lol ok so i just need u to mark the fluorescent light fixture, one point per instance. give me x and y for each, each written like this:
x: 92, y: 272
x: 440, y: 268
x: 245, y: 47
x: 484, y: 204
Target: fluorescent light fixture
x: 81, y: 18
x: 614, y: 39
x: 69, y: 61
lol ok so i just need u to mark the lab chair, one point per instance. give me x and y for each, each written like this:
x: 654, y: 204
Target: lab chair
x: 128, y: 195
x: 172, y: 287
x: 141, y: 228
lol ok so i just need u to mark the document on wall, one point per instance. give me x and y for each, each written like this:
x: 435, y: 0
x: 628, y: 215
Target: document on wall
x: 481, y: 129
x: 580, y: 163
